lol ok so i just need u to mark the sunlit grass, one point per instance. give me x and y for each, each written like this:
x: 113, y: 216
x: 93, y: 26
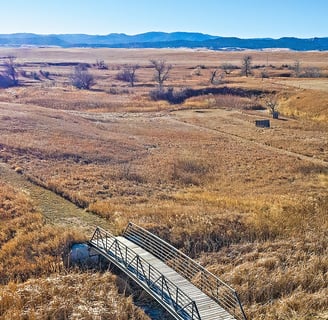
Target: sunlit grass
x: 249, y: 203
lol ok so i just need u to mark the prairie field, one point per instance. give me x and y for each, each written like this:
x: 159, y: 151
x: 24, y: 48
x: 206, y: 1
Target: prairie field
x: 249, y: 203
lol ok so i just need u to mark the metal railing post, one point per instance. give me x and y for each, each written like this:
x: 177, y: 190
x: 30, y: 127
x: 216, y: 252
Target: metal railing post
x: 154, y: 280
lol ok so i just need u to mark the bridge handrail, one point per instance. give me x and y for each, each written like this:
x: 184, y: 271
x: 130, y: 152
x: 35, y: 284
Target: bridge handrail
x: 210, y: 284
x: 164, y: 289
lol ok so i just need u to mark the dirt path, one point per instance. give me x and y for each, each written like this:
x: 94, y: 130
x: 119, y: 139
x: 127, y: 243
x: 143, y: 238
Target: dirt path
x: 56, y: 209
x: 241, y: 139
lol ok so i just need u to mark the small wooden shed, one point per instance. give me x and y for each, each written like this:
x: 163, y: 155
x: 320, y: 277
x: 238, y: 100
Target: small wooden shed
x: 263, y: 123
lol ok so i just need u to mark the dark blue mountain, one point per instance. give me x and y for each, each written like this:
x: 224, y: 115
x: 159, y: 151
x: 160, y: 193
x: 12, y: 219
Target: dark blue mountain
x: 161, y: 40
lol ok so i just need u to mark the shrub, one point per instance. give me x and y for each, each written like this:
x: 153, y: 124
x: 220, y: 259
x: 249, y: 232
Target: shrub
x: 35, y: 76
x: 311, y: 72
x: 128, y: 74
x: 190, y: 171
x: 169, y: 95
x: 6, y: 82
x: 45, y: 74
x: 81, y: 78
x: 180, y: 96
x: 101, y: 65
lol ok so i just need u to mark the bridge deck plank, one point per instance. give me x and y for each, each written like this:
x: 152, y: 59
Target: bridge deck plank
x: 208, y: 308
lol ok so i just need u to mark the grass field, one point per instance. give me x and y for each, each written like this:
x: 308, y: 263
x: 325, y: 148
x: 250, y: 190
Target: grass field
x: 249, y: 203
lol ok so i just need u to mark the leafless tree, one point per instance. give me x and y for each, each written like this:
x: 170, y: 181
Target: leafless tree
x: 271, y: 102
x: 81, y: 78
x: 162, y: 69
x: 213, y: 75
x: 128, y: 74
x: 216, y: 78
x: 10, y: 70
x: 297, y: 68
x: 246, y: 68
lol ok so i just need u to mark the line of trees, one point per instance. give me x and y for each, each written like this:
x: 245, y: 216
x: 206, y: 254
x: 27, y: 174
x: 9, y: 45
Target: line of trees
x: 81, y: 78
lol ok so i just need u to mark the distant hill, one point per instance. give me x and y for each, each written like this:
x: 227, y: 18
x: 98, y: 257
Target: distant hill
x: 161, y: 40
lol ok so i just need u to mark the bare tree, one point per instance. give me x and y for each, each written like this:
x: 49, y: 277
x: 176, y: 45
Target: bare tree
x: 213, y: 75
x: 81, y: 78
x: 162, y: 69
x: 271, y: 102
x: 246, y: 68
x: 297, y: 68
x: 10, y: 71
x: 128, y: 74
x: 216, y: 78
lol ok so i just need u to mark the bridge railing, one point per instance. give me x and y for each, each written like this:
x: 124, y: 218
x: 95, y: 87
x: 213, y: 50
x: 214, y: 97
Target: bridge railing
x: 210, y: 284
x: 151, y: 279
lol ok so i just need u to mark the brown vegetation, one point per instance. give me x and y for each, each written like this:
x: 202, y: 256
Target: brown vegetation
x: 70, y: 296
x: 249, y: 203
x: 32, y: 249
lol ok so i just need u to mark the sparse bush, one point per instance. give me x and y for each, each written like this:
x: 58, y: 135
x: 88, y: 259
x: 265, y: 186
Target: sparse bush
x: 228, y: 67
x: 190, y: 171
x: 35, y: 76
x: 169, y: 95
x: 180, y: 96
x: 264, y: 74
x: 83, y: 66
x: 117, y: 91
x: 81, y: 78
x: 127, y: 173
x: 45, y: 74
x: 128, y: 74
x: 196, y: 72
x: 311, y: 72
x: 101, y: 65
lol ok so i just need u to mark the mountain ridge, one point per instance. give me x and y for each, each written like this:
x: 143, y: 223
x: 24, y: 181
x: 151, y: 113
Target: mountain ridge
x: 156, y: 39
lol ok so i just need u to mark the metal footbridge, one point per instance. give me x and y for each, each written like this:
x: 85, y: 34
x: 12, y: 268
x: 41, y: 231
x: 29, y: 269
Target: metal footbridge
x: 183, y: 287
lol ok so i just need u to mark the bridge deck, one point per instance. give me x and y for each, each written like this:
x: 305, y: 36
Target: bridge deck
x: 208, y: 309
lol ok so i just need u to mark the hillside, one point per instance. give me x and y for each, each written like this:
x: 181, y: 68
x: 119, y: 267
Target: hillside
x: 162, y: 40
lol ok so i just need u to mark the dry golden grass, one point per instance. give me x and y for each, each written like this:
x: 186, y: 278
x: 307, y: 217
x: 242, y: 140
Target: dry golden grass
x: 279, y: 279
x: 71, y: 296
x: 29, y: 247
x: 34, y: 283
x: 302, y: 105
x: 250, y: 203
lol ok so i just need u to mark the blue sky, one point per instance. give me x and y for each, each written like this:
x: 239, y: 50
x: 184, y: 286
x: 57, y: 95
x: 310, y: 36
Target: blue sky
x: 240, y: 18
